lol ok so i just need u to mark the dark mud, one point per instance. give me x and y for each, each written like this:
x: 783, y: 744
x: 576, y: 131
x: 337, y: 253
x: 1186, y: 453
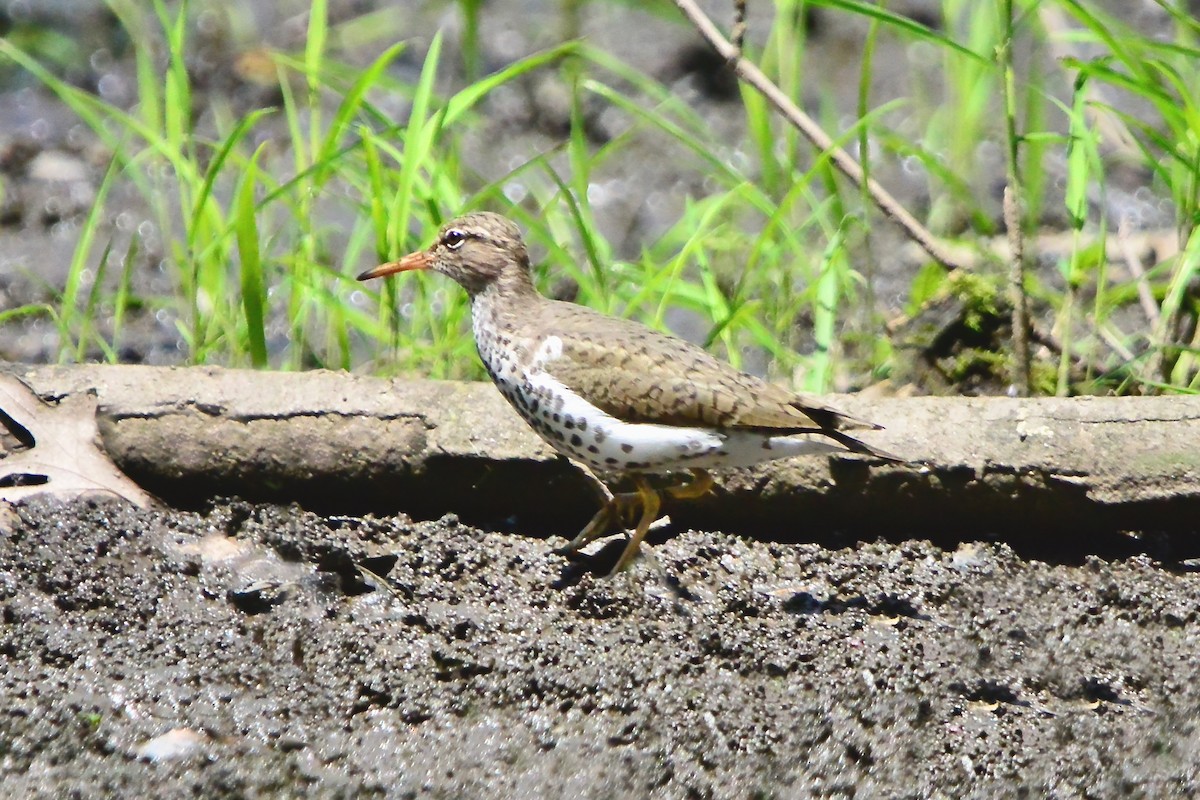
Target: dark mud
x: 243, y: 652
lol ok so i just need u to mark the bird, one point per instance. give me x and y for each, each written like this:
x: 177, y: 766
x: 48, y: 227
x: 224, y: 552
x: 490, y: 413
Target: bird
x: 613, y: 395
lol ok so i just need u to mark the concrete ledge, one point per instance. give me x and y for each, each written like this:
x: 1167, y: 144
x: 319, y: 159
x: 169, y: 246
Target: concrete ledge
x: 351, y: 444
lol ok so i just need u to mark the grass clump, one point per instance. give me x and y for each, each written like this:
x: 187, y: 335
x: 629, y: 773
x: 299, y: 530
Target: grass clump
x: 264, y: 214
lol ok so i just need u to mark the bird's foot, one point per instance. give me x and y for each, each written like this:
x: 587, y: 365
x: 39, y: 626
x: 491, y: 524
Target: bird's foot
x: 651, y: 501
x: 620, y: 507
x: 700, y: 485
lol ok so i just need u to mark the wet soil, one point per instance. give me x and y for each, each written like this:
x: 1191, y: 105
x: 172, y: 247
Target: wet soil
x: 255, y: 650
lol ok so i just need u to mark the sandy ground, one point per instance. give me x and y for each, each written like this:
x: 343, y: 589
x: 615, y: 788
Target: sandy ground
x: 241, y: 652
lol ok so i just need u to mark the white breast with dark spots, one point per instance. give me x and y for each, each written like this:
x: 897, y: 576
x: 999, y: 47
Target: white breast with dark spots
x: 584, y: 432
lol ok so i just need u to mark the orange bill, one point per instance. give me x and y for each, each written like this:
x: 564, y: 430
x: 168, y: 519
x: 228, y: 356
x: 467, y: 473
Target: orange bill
x: 418, y: 260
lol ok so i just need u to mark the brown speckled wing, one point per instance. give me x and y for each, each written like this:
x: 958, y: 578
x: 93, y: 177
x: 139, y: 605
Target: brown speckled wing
x: 639, y: 375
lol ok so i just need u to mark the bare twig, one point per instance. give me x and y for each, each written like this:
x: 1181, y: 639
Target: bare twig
x: 752, y: 75
x: 1133, y: 260
x: 1016, y: 289
x: 1014, y: 213
x: 738, y: 32
x: 1114, y: 342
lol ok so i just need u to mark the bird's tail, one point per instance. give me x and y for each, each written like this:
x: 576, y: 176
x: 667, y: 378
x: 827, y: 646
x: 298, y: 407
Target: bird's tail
x: 828, y: 417
x: 858, y: 446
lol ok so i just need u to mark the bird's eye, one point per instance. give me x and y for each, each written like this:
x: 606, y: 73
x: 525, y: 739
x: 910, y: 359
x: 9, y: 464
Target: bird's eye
x: 453, y: 238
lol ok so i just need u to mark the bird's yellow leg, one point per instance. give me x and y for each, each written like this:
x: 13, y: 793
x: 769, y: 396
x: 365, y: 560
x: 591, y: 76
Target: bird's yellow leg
x: 650, y: 504
x: 617, y: 509
x: 699, y: 486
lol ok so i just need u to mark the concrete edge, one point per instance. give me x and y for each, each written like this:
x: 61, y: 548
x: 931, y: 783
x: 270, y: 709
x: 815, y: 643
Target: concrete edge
x: 351, y: 444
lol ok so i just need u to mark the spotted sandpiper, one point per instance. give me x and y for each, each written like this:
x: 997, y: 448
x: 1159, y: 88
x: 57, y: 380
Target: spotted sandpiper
x: 612, y: 394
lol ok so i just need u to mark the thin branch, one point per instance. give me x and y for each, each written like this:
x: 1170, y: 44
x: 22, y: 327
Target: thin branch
x: 738, y: 32
x: 1014, y: 214
x: 752, y: 75
x: 1133, y: 260
x: 1016, y: 289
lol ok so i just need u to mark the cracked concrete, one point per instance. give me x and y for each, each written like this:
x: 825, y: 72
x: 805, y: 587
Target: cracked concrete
x: 349, y: 443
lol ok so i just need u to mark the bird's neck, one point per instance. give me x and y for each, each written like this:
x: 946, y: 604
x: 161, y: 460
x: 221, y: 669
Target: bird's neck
x: 504, y: 302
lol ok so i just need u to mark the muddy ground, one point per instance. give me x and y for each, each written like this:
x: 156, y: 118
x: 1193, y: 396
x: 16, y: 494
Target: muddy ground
x: 240, y: 651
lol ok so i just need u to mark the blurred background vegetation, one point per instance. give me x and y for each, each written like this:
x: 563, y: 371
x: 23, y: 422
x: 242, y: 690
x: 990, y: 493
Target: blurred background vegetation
x: 199, y: 182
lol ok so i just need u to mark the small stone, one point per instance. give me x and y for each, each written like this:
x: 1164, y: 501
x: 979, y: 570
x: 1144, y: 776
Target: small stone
x: 174, y: 744
x: 54, y: 165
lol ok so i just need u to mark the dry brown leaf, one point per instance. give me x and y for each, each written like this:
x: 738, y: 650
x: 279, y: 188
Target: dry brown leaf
x: 61, y: 452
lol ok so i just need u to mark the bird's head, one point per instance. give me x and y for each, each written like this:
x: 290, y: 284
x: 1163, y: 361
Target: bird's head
x: 476, y: 250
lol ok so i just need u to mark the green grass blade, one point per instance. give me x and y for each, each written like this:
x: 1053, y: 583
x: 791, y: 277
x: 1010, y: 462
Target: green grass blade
x: 69, y: 316
x: 468, y: 97
x: 254, y: 293
x: 825, y: 307
x: 326, y: 156
x: 314, y: 57
x: 418, y: 141
x: 905, y: 25
x: 122, y: 302
x: 216, y: 166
